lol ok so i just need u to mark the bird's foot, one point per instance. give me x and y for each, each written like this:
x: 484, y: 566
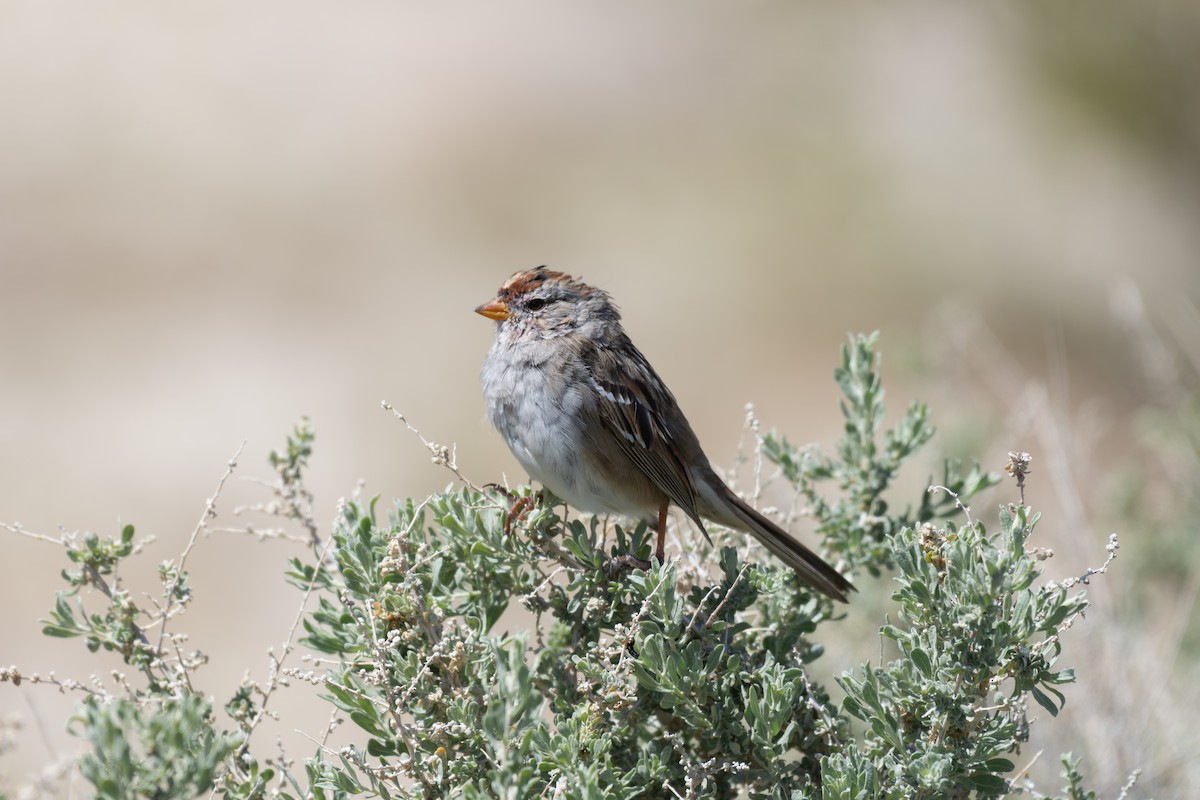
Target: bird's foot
x: 618, y: 565
x: 520, y: 505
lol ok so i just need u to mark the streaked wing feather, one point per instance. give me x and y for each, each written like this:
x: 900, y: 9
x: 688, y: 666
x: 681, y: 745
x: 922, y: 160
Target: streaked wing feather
x: 627, y: 403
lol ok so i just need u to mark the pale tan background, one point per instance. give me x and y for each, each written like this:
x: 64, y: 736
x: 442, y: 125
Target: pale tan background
x: 217, y: 217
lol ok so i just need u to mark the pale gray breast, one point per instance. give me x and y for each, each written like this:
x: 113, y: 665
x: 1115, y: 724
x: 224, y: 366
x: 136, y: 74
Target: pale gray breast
x: 537, y: 413
x: 543, y: 405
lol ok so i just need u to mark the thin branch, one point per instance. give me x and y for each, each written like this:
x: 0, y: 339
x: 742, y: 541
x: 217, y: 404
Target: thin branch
x: 959, y: 503
x: 273, y: 681
x: 442, y: 456
x: 18, y: 528
x: 1025, y: 770
x: 210, y: 511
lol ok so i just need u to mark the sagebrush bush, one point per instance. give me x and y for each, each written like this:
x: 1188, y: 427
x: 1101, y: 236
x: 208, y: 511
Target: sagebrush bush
x: 480, y: 656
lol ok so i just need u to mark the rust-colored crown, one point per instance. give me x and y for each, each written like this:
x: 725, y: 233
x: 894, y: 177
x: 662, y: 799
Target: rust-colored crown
x: 525, y: 281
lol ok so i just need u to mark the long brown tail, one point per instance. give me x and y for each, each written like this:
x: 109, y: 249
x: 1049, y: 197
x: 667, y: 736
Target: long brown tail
x: 810, y: 567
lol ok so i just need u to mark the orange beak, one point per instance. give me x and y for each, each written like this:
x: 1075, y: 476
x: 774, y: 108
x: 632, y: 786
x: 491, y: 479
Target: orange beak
x: 497, y: 310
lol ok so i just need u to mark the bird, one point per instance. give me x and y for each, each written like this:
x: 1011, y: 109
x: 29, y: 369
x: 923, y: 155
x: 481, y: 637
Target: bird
x: 586, y: 415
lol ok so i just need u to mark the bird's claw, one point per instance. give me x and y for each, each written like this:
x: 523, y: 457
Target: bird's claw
x: 520, y: 505
x: 624, y: 563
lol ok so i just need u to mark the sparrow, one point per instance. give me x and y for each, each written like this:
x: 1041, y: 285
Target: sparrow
x: 586, y: 415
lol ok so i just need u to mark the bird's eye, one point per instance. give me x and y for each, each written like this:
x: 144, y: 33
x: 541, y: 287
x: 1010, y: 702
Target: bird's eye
x: 536, y: 304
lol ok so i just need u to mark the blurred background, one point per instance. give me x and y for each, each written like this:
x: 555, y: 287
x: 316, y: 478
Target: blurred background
x: 218, y: 217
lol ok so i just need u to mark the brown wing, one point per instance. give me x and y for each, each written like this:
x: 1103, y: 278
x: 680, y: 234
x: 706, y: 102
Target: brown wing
x: 627, y: 399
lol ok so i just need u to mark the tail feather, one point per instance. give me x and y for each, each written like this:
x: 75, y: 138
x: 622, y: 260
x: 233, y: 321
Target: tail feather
x: 810, y: 568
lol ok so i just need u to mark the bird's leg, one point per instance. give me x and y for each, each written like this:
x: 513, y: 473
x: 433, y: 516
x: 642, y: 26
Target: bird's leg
x: 659, y: 550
